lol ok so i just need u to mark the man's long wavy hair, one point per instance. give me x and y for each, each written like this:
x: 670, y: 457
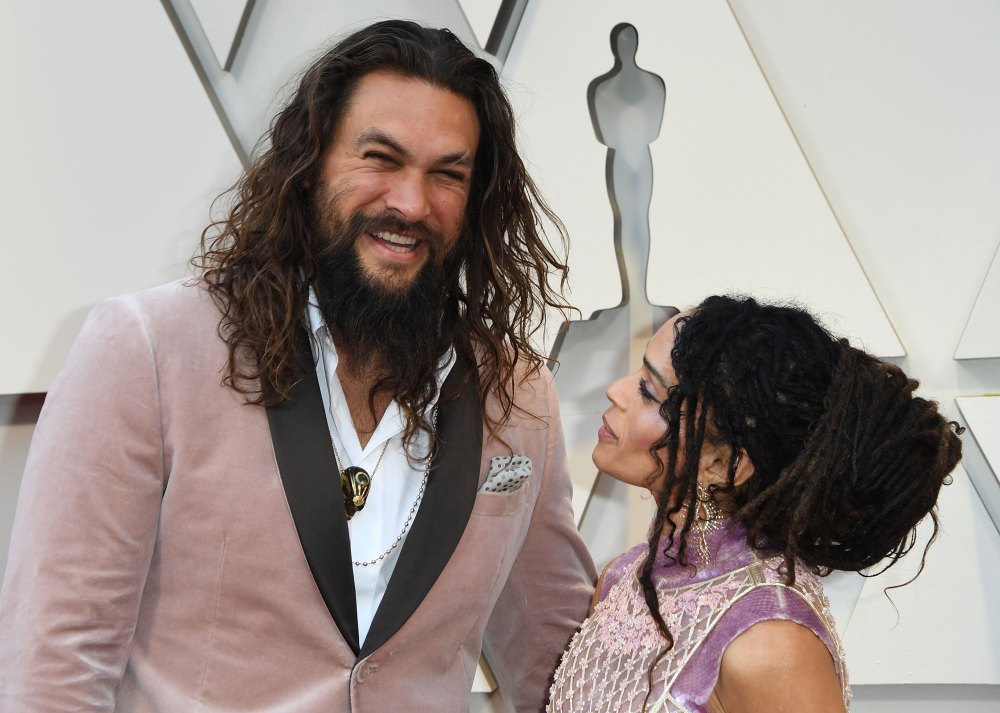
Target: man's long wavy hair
x: 846, y: 459
x: 259, y: 261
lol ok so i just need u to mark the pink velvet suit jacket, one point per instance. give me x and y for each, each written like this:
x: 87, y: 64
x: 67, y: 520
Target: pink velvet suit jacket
x: 176, y: 549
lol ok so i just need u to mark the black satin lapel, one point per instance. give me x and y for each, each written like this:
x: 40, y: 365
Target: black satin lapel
x: 302, y: 448
x: 441, y: 519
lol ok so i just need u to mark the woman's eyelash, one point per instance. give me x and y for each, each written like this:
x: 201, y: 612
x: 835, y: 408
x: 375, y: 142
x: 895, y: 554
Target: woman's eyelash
x: 645, y: 393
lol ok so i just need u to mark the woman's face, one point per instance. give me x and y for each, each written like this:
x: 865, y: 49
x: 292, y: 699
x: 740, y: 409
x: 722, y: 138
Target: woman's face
x: 632, y: 424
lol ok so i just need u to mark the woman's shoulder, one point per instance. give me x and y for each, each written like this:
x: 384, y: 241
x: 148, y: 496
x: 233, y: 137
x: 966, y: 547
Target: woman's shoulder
x: 776, y: 634
x: 776, y: 663
x: 620, y: 567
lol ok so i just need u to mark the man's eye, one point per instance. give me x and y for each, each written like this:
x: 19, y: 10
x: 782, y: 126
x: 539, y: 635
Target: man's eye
x: 455, y: 176
x: 380, y: 157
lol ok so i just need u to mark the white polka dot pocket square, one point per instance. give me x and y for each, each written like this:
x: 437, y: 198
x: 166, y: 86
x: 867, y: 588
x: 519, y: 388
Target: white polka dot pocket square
x: 507, y: 474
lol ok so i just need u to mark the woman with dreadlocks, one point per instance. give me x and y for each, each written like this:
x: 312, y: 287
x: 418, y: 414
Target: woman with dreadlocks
x: 776, y: 453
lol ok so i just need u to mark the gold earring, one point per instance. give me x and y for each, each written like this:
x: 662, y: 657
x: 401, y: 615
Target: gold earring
x: 708, y: 516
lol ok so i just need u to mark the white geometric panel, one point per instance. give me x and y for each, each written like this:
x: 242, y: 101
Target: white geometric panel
x: 481, y: 14
x: 982, y: 414
x: 938, y: 629
x: 580, y: 431
x: 278, y: 43
x: 224, y: 22
x: 736, y: 206
x: 981, y: 338
x: 113, y: 156
x: 625, y: 103
x: 897, y: 109
x: 594, y: 354
x: 483, y: 681
x: 982, y: 449
x: 843, y: 589
x: 559, y: 48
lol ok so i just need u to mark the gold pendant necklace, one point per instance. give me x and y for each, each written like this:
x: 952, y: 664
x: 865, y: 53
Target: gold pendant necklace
x: 355, y: 482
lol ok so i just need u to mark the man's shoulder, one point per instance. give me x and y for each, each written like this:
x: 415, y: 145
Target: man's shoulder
x: 176, y: 311
x: 532, y: 391
x: 188, y: 293
x: 528, y: 370
x: 186, y: 298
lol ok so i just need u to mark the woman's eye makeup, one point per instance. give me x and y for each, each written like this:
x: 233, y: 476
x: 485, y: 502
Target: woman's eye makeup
x: 645, y: 393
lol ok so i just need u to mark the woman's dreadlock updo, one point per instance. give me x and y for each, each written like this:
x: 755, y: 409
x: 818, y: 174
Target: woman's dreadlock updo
x: 846, y: 460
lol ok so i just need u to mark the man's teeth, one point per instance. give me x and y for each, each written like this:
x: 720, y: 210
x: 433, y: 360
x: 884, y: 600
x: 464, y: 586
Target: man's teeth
x: 397, y: 243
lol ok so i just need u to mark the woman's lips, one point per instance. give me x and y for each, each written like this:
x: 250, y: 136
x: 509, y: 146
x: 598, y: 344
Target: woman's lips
x: 605, y: 431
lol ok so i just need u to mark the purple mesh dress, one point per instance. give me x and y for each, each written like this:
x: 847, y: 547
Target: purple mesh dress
x: 606, y: 665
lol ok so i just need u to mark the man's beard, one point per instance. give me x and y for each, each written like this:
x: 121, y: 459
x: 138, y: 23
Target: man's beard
x: 398, y: 331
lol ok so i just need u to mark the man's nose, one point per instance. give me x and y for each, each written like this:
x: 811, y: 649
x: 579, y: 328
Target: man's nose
x: 409, y: 196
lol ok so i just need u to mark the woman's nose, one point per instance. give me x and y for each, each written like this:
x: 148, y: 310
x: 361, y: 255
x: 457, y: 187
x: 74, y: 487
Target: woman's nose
x: 615, y: 390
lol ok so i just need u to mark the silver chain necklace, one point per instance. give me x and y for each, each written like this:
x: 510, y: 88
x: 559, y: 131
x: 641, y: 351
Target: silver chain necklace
x: 413, y: 508
x: 406, y: 525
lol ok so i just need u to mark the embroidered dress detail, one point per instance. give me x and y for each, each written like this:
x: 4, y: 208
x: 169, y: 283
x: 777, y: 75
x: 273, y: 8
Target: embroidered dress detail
x: 606, y: 667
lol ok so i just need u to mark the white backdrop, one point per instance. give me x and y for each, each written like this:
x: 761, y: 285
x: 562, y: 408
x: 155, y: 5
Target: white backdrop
x: 846, y: 153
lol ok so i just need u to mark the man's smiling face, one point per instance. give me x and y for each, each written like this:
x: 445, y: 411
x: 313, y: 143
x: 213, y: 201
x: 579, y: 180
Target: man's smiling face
x: 402, y: 156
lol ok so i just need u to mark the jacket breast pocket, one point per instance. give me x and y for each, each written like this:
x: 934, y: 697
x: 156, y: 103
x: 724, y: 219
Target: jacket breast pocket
x: 500, y: 504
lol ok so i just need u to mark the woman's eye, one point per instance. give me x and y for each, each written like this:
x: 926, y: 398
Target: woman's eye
x: 645, y: 393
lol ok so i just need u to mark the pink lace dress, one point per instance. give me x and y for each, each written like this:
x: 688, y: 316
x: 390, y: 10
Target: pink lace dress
x: 705, y: 607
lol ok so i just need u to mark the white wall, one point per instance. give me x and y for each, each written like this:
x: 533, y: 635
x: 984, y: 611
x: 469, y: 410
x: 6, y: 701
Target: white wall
x: 894, y: 107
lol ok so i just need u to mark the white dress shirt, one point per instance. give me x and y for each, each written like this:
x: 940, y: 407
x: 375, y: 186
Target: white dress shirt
x: 395, y: 483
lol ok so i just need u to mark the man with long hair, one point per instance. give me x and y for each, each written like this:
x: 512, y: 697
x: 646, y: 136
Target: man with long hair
x: 328, y: 471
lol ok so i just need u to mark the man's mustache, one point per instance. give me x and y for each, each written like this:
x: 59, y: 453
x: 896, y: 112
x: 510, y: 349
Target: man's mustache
x: 388, y: 222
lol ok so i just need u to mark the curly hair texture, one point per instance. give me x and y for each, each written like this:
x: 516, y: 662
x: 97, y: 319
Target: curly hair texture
x: 259, y: 261
x: 846, y: 459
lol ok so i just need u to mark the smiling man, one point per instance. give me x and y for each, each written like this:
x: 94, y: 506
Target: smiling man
x: 327, y: 472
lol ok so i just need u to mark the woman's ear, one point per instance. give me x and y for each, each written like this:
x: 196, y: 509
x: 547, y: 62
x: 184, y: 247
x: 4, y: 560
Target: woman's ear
x: 744, y: 467
x: 713, y: 466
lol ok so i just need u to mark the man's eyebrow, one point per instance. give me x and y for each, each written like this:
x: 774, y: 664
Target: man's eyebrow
x: 459, y: 158
x: 657, y: 375
x: 377, y: 136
